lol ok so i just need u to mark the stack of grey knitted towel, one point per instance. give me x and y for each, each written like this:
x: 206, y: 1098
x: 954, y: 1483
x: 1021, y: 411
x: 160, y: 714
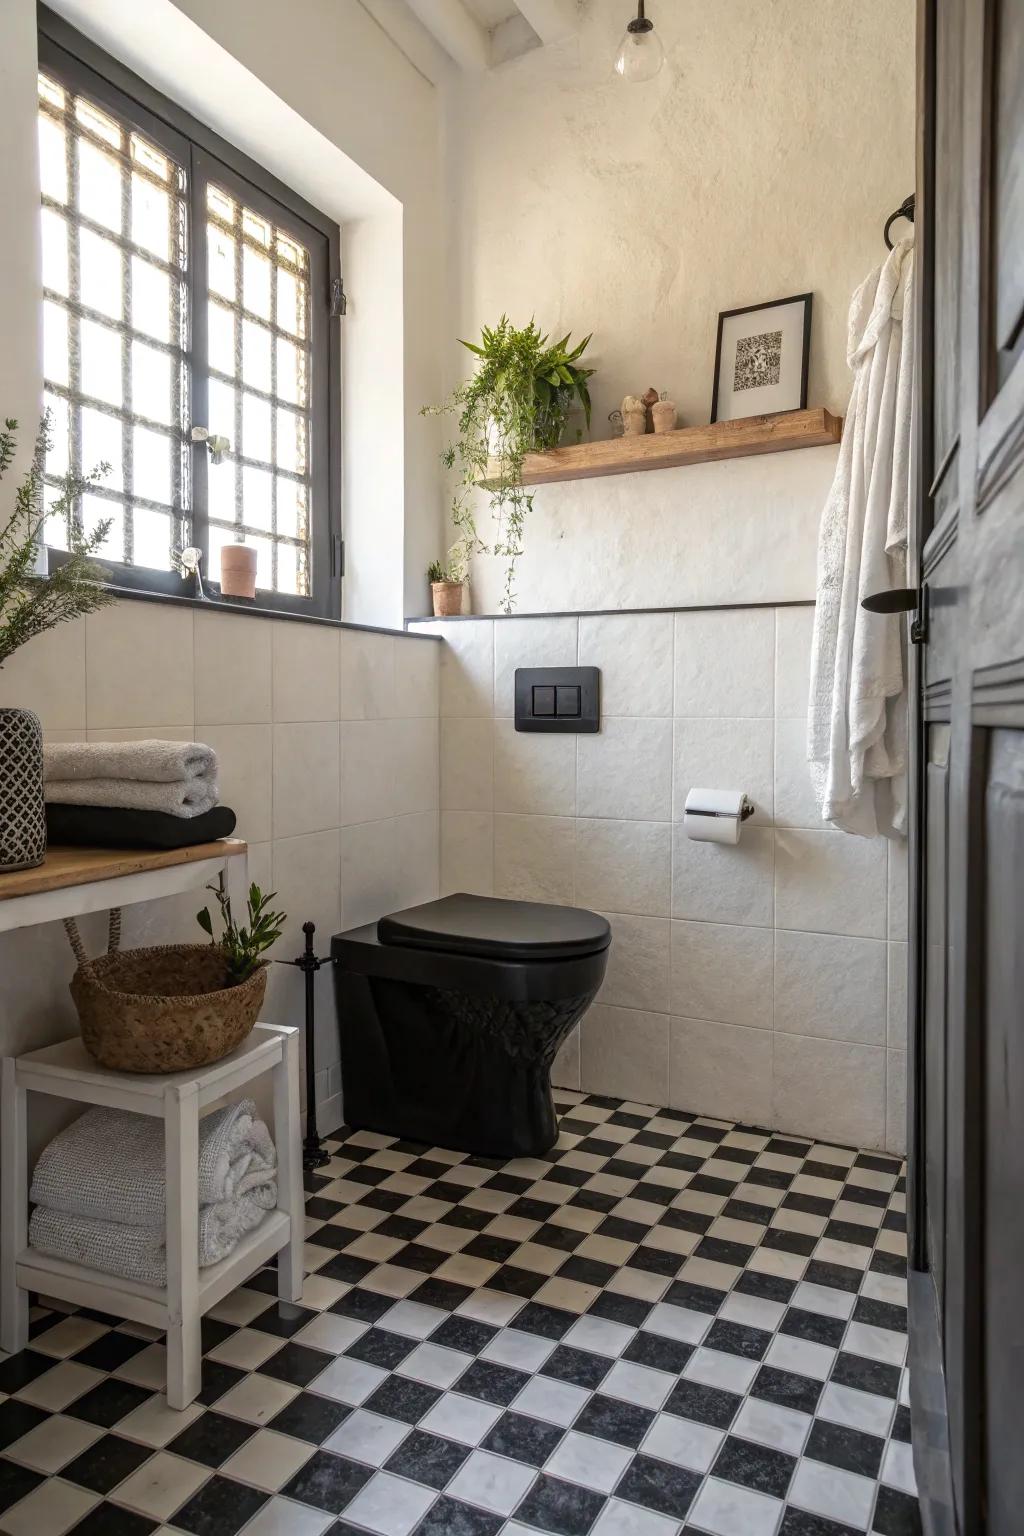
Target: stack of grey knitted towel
x: 100, y: 1190
x: 176, y: 777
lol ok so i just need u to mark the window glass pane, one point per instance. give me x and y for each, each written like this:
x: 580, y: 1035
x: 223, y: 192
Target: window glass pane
x: 220, y: 204
x: 219, y: 535
x: 288, y: 570
x: 148, y: 158
x: 257, y: 498
x: 58, y: 458
x: 151, y: 217
x: 51, y: 92
x: 97, y: 510
x: 100, y: 361
x: 55, y: 343
x: 256, y: 228
x: 291, y: 508
x: 255, y: 355
x: 53, y: 165
x: 103, y: 442
x: 255, y: 428
x: 256, y: 283
x: 221, y: 490
x: 152, y: 535
x: 151, y: 383
x: 151, y: 299
x: 291, y: 441
x: 151, y: 465
x: 222, y: 411
x: 221, y: 338
x: 291, y: 372
x: 55, y: 252
x: 55, y: 529
x: 98, y: 123
x: 99, y: 274
x: 99, y: 186
x: 220, y: 250
x: 264, y: 561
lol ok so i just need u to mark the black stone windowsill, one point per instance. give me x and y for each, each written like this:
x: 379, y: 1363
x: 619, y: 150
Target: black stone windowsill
x: 218, y: 604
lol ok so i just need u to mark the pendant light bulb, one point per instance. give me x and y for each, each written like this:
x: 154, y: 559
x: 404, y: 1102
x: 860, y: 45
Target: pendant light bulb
x: 640, y: 54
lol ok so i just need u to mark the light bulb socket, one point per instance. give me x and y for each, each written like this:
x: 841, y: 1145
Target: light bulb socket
x: 640, y: 22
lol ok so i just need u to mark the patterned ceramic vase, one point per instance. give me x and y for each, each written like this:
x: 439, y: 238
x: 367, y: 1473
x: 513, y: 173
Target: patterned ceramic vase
x: 22, y: 816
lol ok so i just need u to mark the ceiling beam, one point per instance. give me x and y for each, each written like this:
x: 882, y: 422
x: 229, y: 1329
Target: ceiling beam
x: 551, y: 19
x: 459, y: 34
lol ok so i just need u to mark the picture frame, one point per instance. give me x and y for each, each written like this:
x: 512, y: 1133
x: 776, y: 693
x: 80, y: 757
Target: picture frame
x: 762, y: 353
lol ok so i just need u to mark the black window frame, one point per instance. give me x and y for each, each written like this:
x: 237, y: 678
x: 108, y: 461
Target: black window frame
x: 78, y: 64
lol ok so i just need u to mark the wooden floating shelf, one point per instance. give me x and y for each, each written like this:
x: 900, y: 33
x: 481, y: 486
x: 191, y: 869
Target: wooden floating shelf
x: 688, y: 445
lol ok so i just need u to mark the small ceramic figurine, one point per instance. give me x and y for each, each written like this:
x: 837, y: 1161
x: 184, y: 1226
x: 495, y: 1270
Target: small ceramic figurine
x: 634, y: 416
x: 664, y: 414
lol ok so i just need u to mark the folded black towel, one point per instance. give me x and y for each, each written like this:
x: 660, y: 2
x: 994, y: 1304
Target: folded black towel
x: 102, y: 826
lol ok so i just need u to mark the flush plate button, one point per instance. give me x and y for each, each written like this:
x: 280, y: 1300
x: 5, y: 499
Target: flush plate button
x: 558, y: 699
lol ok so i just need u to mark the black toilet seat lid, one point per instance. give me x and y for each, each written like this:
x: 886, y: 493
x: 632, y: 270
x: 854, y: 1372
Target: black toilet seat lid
x: 501, y: 930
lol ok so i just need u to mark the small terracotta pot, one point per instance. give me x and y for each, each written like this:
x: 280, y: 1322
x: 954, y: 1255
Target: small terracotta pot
x: 447, y: 597
x: 238, y: 570
x: 664, y: 414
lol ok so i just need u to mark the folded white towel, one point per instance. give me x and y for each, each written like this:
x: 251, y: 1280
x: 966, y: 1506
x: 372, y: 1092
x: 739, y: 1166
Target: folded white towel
x: 183, y: 797
x: 109, y: 1165
x: 140, y: 1253
x: 150, y: 761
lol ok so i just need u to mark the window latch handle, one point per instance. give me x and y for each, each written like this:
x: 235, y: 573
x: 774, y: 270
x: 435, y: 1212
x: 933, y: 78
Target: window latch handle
x: 218, y: 446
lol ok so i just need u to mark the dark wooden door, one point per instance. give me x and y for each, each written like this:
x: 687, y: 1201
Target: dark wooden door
x: 966, y: 1100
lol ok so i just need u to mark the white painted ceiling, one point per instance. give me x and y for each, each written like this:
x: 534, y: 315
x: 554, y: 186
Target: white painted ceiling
x: 491, y: 13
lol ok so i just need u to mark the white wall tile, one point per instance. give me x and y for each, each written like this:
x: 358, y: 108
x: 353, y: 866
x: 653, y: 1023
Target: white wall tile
x: 830, y: 987
x: 793, y: 630
x: 624, y: 1052
x: 896, y: 1005
x: 533, y: 858
x: 416, y: 845
x: 896, y: 1103
x: 634, y: 653
x: 716, y: 883
x: 722, y: 1070
x: 897, y: 888
x: 625, y: 770
x: 415, y: 762
x: 830, y: 882
x: 467, y: 667
x: 369, y: 873
x: 306, y: 671
x: 724, y: 662
x: 467, y: 852
x: 534, y: 773
x: 638, y: 963
x: 467, y: 764
x: 136, y: 653
x: 624, y: 866
x: 417, y: 677
x: 367, y: 770
x: 143, y: 733
x: 722, y: 972
x: 724, y: 754
x: 233, y: 668
x: 565, y: 1069
x: 245, y: 774
x: 795, y: 805
x: 529, y: 643
x: 367, y: 673
x: 306, y: 778
x: 830, y: 1089
x: 307, y: 879
x: 48, y: 676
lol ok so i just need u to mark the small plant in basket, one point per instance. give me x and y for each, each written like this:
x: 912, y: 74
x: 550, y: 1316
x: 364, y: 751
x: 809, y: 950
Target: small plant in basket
x: 243, y: 946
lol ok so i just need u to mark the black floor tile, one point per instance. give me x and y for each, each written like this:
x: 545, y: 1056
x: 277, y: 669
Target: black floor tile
x: 379, y: 1347
x: 621, y: 1309
x: 798, y: 1522
x: 296, y: 1364
x: 737, y: 1339
x: 662, y: 1354
x: 696, y: 1298
x: 548, y: 1322
x: 283, y: 1318
x: 211, y: 1439
x: 868, y: 1375
x: 110, y: 1351
x: 15, y: 1482
x: 217, y: 1378
x: 786, y: 1388
x: 579, y: 1366
x: 515, y: 1281
x: 327, y: 1482
x: 16, y: 1419
x: 492, y: 1382
x: 106, y: 1463
x: 463, y: 1333
x: 108, y: 1402
x: 310, y: 1417
x: 111, y: 1520
x: 755, y: 1466
x: 896, y: 1514
x: 441, y: 1294
x: 880, y: 1314
x: 523, y: 1439
x: 659, y: 1486
x: 844, y: 1447
x: 450, y: 1517
x: 609, y: 1418
x: 398, y: 1398
x: 220, y: 1508
x: 559, y: 1507
x: 815, y: 1326
x: 428, y: 1459
x: 768, y: 1287
x: 23, y: 1368
x: 706, y: 1405
x: 365, y: 1306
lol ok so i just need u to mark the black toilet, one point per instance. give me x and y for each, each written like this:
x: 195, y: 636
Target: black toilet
x: 451, y: 1014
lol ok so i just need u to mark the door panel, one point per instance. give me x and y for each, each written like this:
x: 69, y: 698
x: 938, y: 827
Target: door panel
x: 1008, y: 181
x: 948, y: 194
x: 1003, y: 1077
x: 936, y: 878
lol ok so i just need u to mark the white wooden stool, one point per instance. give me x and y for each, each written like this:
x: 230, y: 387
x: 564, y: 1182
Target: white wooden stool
x: 67, y: 1071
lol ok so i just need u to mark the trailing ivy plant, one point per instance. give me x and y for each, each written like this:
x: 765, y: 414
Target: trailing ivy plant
x: 517, y: 402
x: 31, y: 604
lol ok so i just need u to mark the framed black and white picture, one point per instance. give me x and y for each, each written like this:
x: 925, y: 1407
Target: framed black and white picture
x: 761, y: 359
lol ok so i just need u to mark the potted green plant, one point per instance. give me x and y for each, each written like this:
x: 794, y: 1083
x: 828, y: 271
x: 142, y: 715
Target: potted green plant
x: 448, y: 581
x: 518, y: 401
x: 31, y: 604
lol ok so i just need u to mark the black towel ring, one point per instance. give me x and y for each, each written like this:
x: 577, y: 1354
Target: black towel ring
x: 904, y: 211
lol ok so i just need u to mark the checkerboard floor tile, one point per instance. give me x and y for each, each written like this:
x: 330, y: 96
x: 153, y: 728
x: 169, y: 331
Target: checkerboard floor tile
x: 667, y: 1325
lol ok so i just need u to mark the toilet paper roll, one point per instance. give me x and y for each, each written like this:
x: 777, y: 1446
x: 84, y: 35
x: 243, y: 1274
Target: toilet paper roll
x: 711, y: 829
x: 714, y: 815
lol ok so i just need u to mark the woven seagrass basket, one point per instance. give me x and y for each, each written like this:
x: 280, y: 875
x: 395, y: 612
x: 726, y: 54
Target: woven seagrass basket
x: 163, y: 1009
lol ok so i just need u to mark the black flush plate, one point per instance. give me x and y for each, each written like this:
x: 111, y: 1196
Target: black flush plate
x: 558, y: 699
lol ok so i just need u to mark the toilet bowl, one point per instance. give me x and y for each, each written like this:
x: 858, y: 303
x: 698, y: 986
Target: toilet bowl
x: 451, y: 1014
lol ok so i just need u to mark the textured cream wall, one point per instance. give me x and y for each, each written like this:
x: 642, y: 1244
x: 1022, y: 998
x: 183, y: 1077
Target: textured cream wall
x: 761, y: 162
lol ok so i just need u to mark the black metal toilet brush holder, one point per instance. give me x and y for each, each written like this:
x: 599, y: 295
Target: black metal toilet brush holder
x: 314, y: 1154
